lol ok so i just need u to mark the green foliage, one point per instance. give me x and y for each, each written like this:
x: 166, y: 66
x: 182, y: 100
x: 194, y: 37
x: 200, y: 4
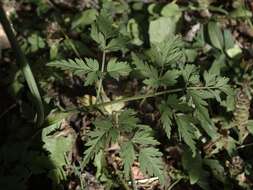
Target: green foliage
x: 158, y: 98
x: 58, y: 147
x: 116, y: 68
x: 142, y: 143
x: 78, y: 66
x: 151, y: 163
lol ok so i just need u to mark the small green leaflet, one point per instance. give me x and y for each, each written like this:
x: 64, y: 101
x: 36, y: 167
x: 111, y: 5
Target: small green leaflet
x: 151, y: 163
x: 167, y: 110
x: 127, y: 153
x: 35, y: 42
x: 148, y: 71
x: 98, y: 36
x: 128, y: 121
x: 190, y: 74
x: 166, y: 117
x: 167, y: 52
x: 186, y: 131
x: 104, y: 23
x: 201, y: 112
x: 117, y: 68
x: 215, y: 35
x: 85, y: 18
x: 143, y: 137
x: 170, y: 77
x: 116, y: 44
x: 79, y: 66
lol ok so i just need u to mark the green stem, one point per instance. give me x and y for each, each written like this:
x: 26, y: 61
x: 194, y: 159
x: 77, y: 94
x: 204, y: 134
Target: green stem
x: 101, y: 79
x: 138, y: 97
x: 24, y: 66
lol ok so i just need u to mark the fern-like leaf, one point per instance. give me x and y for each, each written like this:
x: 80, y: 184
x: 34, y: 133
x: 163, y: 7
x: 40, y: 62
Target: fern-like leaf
x: 147, y: 71
x: 144, y: 137
x: 128, y: 156
x: 167, y: 52
x: 166, y: 118
x: 79, y: 66
x: 186, y: 131
x: 151, y: 163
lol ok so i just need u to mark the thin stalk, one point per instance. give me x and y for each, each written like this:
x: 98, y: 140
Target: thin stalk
x: 244, y: 146
x: 174, y: 184
x: 101, y: 79
x: 133, y: 182
x: 138, y: 97
x: 24, y: 66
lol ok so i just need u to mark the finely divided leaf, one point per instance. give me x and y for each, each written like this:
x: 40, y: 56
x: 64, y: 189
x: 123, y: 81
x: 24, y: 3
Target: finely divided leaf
x: 166, y: 117
x: 190, y: 74
x: 128, y: 156
x: 144, y: 137
x: 128, y: 121
x: 148, y: 71
x: 186, y: 131
x: 151, y: 163
x: 97, y: 36
x: 167, y: 52
x: 201, y: 112
x: 118, y: 43
x: 79, y: 66
x: 76, y: 65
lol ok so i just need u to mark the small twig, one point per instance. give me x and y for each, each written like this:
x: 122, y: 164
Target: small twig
x: 244, y: 146
x: 7, y: 110
x: 101, y: 79
x: 174, y: 184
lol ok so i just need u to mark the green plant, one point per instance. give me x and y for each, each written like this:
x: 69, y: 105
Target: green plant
x: 137, y: 94
x: 163, y: 70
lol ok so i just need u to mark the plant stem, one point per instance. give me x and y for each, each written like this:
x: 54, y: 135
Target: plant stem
x: 174, y: 184
x: 24, y: 66
x: 139, y: 97
x: 102, y: 76
x: 134, y: 187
